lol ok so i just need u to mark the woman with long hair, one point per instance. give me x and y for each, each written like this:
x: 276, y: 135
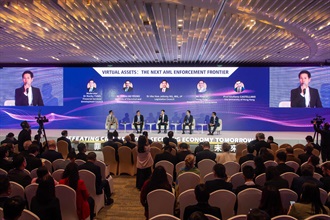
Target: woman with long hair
x: 271, y: 201
x: 85, y: 207
x: 260, y: 166
x: 144, y: 162
x: 45, y: 204
x: 310, y: 203
x: 158, y: 180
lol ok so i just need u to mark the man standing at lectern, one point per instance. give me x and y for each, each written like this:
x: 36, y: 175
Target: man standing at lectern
x: 163, y: 120
x: 305, y: 96
x: 214, y: 122
x: 188, y: 120
x: 138, y: 121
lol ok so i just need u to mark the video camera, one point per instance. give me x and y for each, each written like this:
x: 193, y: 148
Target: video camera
x: 41, y: 119
x: 318, y: 120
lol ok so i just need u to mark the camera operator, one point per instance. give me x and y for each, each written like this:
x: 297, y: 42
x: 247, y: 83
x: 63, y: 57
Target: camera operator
x: 24, y: 135
x: 325, y: 139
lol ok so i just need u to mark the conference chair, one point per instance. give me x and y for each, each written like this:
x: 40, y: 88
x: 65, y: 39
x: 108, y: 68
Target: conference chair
x: 154, y: 151
x: 219, y: 128
x: 225, y: 200
x: 105, y: 174
x: 89, y: 179
x: 248, y: 199
x: 238, y: 217
x: 125, y: 161
x: 57, y: 174
x: 244, y: 152
x: 319, y: 217
x: 109, y: 156
x: 283, y: 217
x: 323, y: 196
x: 157, y: 144
x: 164, y: 217
x: 33, y: 173
x: 1, y: 213
x: 274, y: 147
x: 208, y: 177
x: 28, y: 215
x: 285, y: 145
x: 60, y: 164
x: 316, y: 152
x: 134, y: 155
x: 187, y: 180
x: 270, y: 163
x: 47, y: 164
x: 211, y: 217
x: 169, y: 178
x: 300, y: 146
x: 239, y: 148
x: 317, y: 176
x: 179, y: 166
x: 16, y: 189
x: 261, y: 179
x: 297, y: 152
x: 26, y: 171
x: 293, y: 164
x: 30, y: 191
x: 62, y: 147
x: 168, y: 166
x: 157, y: 206
x: 68, y: 205
x: 287, y: 195
x: 185, y: 199
x: 232, y: 167
x: 205, y: 166
x: 289, y: 176
x: 3, y: 172
x: 248, y: 163
x: 237, y: 179
x: 79, y: 162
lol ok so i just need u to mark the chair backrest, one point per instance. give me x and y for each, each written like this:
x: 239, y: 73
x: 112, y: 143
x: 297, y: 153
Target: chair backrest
x: 157, y: 144
x: 289, y: 176
x: 179, y: 166
x: 79, y: 162
x: 270, y: 163
x: 185, y: 199
x: 287, y: 195
x: 239, y: 148
x: 316, y: 152
x: 225, y: 200
x: 1, y: 213
x: 232, y: 167
x: 285, y: 145
x: 274, y: 147
x: 125, y: 161
x: 134, y: 155
x: 164, y: 217
x: 237, y: 179
x: 300, y: 146
x: 103, y: 168
x: 60, y: 164
x: 62, y: 147
x: 261, y: 179
x: 238, y: 217
x: 57, y: 174
x: 30, y: 191
x: 317, y: 176
x: 33, y: 173
x: 219, y: 128
x: 323, y: 196
x: 154, y: 151
x: 28, y: 215
x: 157, y: 206
x: 209, y: 176
x: 168, y: 166
x: 3, y: 172
x: 283, y: 217
x: 211, y: 217
x: 248, y: 163
x: 319, y: 217
x: 16, y: 189
x: 89, y: 178
x: 205, y: 167
x: 67, y: 197
x: 109, y: 156
x: 48, y: 165
x: 293, y: 164
x: 187, y: 180
x: 297, y: 152
x: 244, y: 152
x: 248, y: 199
x: 169, y: 178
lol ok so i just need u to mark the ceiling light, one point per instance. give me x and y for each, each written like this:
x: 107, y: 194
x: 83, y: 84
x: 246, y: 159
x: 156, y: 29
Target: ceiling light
x: 25, y: 47
x: 304, y: 58
x: 288, y: 45
x: 74, y: 45
x: 55, y: 58
x: 95, y: 57
x: 266, y: 57
x: 21, y: 58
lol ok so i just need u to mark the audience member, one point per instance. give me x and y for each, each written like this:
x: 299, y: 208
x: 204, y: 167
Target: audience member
x: 261, y: 143
x: 166, y: 155
x: 144, y: 162
x: 10, y: 138
x: 307, y: 172
x: 205, y: 153
x: 183, y: 152
x: 265, y: 154
x: 32, y: 161
x: 51, y: 154
x: 271, y: 201
x: 64, y: 134
x: 248, y: 174
x: 310, y: 141
x: 308, y: 152
x: 45, y: 204
x: 145, y: 133
x: 99, y: 183
x: 248, y: 156
x: 274, y: 179
x: 11, y: 149
x: 5, y: 189
x: 225, y: 156
x: 42, y: 173
x: 197, y: 216
x: 25, y: 151
x: 260, y: 166
x: 128, y: 142
x: 202, y: 196
x: 326, y: 176
x: 189, y: 165
x: 257, y: 214
x: 132, y: 136
x: 310, y: 203
x: 253, y: 142
x: 170, y: 135
x: 281, y: 159
x: 85, y: 204
x: 166, y: 142
x: 115, y: 137
x: 72, y: 156
x: 81, y: 155
x: 158, y: 180
x: 18, y: 174
x: 220, y: 181
x: 5, y: 164
x: 198, y: 148
x: 290, y: 156
x: 315, y: 161
x: 13, y: 208
x: 270, y: 140
x: 24, y: 135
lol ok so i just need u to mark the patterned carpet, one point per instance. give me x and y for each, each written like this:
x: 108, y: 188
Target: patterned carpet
x: 126, y: 204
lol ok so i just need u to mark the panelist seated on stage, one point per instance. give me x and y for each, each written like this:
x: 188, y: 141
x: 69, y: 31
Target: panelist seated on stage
x: 162, y: 121
x: 28, y: 95
x: 305, y: 96
x: 138, y: 122
x: 111, y: 122
x: 214, y: 123
x: 188, y: 121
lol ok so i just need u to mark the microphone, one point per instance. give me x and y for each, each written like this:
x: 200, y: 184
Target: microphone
x: 27, y: 90
x: 304, y: 91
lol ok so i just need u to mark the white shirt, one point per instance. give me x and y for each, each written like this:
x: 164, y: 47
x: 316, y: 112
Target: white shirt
x: 307, y: 97
x: 29, y: 95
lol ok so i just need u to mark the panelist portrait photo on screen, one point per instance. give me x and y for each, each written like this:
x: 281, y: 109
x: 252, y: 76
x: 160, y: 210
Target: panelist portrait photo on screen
x: 91, y: 86
x: 164, y: 86
x: 305, y: 96
x: 201, y: 86
x: 128, y: 86
x: 239, y: 86
x: 28, y: 95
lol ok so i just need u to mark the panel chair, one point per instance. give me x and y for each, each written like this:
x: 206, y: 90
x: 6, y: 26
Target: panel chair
x: 62, y: 147
x: 157, y: 206
x: 248, y: 199
x: 185, y: 199
x: 205, y: 167
x: 109, y: 156
x: 125, y: 161
x: 187, y: 180
x: 225, y: 200
x: 193, y: 126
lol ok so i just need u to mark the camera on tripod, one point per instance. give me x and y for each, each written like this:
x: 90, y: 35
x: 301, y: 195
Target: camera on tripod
x: 318, y: 120
x: 41, y: 119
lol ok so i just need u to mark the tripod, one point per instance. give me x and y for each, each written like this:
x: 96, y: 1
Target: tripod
x: 41, y: 131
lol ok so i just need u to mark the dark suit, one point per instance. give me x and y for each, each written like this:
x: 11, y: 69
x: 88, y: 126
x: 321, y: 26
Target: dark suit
x: 214, y: 121
x: 24, y: 135
x: 32, y: 162
x: 283, y: 168
x: 20, y: 177
x: 298, y: 182
x: 166, y: 89
x: 304, y: 157
x: 165, y: 156
x: 297, y: 101
x: 243, y: 187
x: 49, y: 210
x: 67, y: 140
x: 81, y: 156
x: 260, y: 144
x: 204, y: 208
x: 136, y: 124
x: 6, y: 165
x: 181, y: 155
x: 279, y: 183
x: 130, y: 144
x: 128, y: 89
x: 22, y: 100
x: 163, y: 121
x: 216, y: 184
x: 246, y: 158
x: 205, y: 154
x: 51, y: 155
x: 188, y: 120
x: 326, y: 181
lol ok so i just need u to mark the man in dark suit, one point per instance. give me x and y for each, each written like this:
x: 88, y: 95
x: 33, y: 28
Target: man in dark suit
x: 170, y: 135
x: 82, y: 152
x: 188, y: 120
x: 166, y: 155
x: 51, y: 154
x: 18, y: 174
x: 183, y: 152
x: 129, y: 143
x: 305, y: 96
x: 138, y: 121
x: 202, y: 196
x: 261, y: 143
x: 116, y: 137
x: 273, y: 178
x: 163, y: 120
x: 99, y: 183
x: 4, y: 189
x: 220, y: 181
x: 326, y: 177
x: 205, y: 153
x: 282, y: 167
x: 64, y: 134
x: 325, y: 140
x: 214, y: 122
x: 128, y: 86
x: 31, y: 159
x: 28, y: 95
x: 248, y: 156
x: 164, y: 86
x: 10, y: 138
x: 5, y: 164
x: 24, y: 135
x: 308, y: 153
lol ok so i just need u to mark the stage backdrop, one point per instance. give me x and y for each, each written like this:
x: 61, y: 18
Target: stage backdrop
x: 246, y: 99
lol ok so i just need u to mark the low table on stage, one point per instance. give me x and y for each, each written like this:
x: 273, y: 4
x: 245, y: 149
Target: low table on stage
x: 202, y: 126
x: 175, y: 126
x: 150, y: 125
x: 125, y: 124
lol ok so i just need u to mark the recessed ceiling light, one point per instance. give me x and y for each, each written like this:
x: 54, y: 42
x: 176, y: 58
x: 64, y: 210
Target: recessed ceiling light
x: 21, y: 58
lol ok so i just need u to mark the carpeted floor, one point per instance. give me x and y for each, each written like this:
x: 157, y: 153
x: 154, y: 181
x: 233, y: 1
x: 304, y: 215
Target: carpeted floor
x: 126, y: 204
